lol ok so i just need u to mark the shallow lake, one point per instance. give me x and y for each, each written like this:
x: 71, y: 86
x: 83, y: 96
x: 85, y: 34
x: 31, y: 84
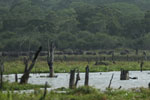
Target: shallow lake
x: 99, y: 80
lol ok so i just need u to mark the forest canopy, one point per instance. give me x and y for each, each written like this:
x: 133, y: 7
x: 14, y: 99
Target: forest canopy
x: 74, y: 24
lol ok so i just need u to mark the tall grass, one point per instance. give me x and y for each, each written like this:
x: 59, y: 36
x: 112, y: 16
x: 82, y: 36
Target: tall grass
x: 82, y: 93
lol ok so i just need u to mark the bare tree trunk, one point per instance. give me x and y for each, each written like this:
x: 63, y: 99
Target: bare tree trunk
x: 50, y: 59
x: 72, y: 78
x: 86, y: 76
x: 25, y: 77
x: 26, y: 61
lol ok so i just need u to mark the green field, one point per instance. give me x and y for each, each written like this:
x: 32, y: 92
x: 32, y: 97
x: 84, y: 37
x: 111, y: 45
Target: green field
x: 65, y: 66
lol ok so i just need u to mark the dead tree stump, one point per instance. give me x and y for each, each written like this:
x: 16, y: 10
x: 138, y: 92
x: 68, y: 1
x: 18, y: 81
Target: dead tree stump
x: 16, y: 78
x: 124, y: 75
x: 72, y: 79
x: 141, y: 65
x: 50, y: 59
x: 86, y: 76
x: 77, y: 78
x: 25, y: 77
x: 1, y: 73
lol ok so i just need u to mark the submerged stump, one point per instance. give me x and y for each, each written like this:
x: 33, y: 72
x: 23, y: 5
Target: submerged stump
x: 124, y: 74
x: 72, y: 79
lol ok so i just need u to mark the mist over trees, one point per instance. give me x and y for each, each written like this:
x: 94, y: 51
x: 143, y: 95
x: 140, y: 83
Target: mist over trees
x: 74, y: 24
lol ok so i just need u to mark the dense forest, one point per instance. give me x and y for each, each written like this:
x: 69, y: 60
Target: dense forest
x: 74, y: 24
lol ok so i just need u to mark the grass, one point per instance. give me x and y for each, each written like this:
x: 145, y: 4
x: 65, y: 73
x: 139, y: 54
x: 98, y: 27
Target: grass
x: 82, y: 93
x: 17, y: 66
x: 17, y: 86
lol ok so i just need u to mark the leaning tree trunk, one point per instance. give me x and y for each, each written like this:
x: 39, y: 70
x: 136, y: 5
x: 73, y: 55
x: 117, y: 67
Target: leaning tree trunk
x: 25, y: 77
x: 50, y: 59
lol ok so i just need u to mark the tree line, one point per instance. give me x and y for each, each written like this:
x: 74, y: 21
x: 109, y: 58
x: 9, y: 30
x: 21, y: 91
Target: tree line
x: 74, y: 24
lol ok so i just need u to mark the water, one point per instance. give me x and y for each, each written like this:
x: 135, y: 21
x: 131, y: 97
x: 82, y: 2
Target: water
x: 97, y: 80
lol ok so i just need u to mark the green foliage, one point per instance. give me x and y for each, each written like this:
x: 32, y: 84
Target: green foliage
x: 17, y: 86
x: 80, y: 24
x: 83, y: 90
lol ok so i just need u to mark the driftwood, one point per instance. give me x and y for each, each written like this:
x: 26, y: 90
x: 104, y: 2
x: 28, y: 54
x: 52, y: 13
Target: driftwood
x: 50, y: 59
x: 110, y: 80
x: 124, y: 75
x: 25, y: 77
x: 86, y: 76
x: 72, y: 79
x: 133, y: 77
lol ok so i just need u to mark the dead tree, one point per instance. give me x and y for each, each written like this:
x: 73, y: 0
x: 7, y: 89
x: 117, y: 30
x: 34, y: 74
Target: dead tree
x: 1, y: 73
x: 25, y: 77
x: 110, y: 80
x: 16, y: 78
x: 77, y: 78
x: 141, y: 65
x: 86, y: 76
x: 124, y: 74
x: 50, y: 59
x: 26, y: 61
x: 72, y: 78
